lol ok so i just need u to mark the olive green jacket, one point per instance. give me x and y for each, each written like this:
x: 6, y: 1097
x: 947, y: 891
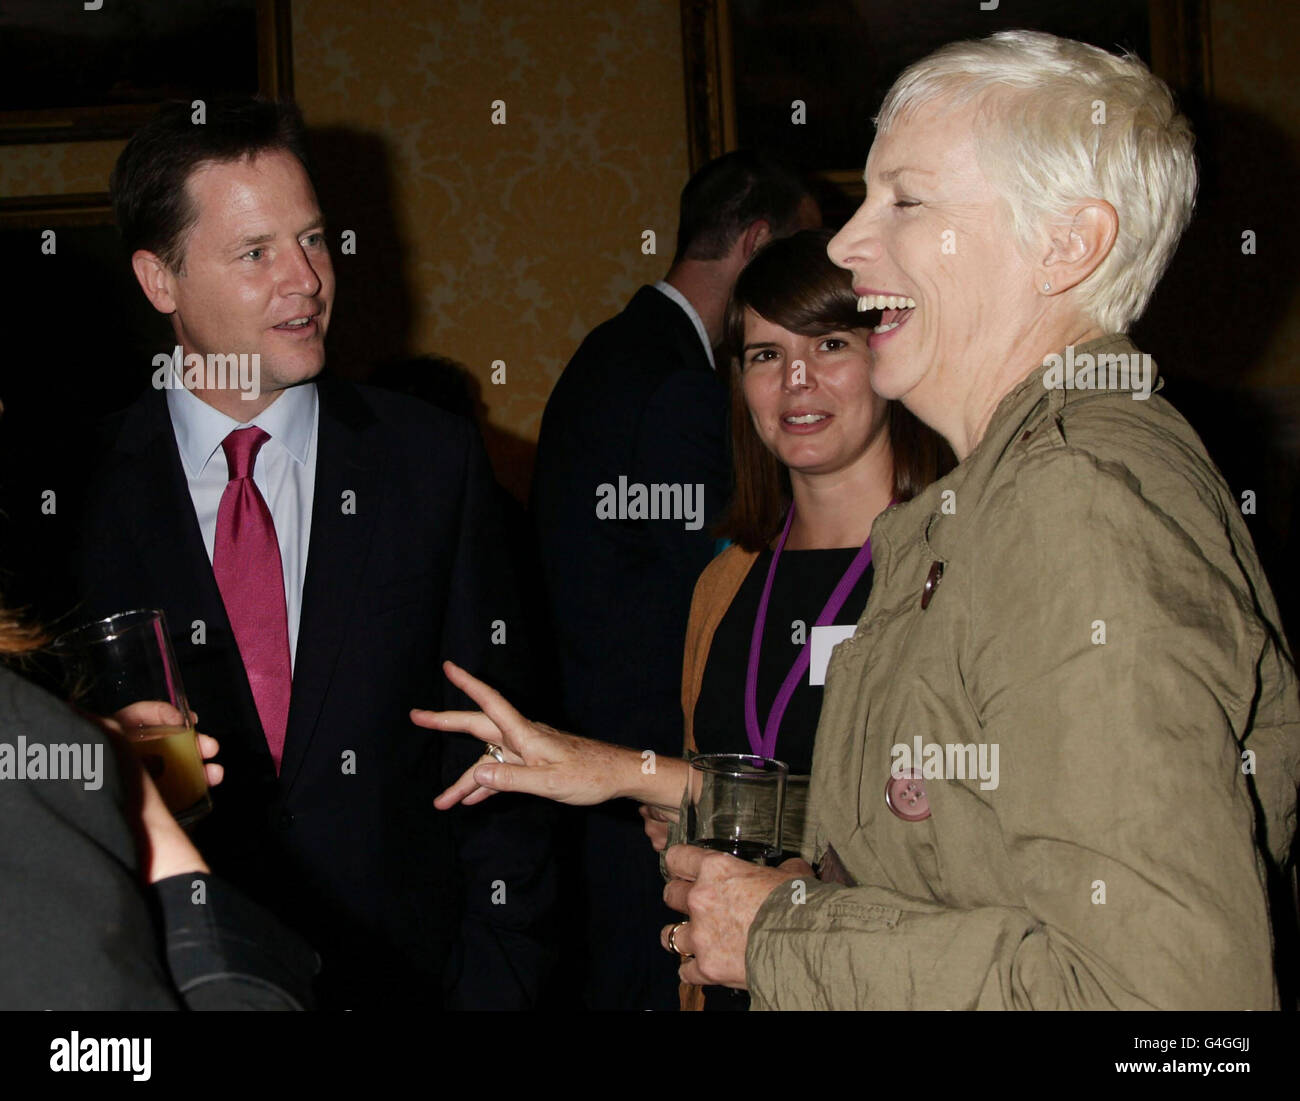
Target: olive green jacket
x: 1102, y: 619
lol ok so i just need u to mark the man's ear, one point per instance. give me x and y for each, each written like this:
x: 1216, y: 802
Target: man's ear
x: 756, y: 235
x: 1077, y: 245
x: 156, y: 279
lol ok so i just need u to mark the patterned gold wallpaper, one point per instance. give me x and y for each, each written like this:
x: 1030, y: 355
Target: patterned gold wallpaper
x: 487, y: 243
x: 517, y: 238
x: 475, y: 241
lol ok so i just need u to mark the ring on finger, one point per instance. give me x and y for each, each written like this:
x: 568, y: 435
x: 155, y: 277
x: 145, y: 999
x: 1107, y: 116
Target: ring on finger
x: 672, y: 941
x: 493, y: 750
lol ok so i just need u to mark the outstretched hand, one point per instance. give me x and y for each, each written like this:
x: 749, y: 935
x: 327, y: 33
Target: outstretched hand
x: 539, y: 759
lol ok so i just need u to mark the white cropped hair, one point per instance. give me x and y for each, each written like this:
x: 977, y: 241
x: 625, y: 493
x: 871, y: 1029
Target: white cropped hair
x: 1042, y: 142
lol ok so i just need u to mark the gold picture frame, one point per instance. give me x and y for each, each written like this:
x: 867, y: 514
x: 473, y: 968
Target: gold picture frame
x: 1179, y: 47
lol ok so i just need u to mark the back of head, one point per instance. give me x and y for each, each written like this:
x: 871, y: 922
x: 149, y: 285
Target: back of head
x: 728, y: 195
x: 150, y: 200
x: 1062, y: 122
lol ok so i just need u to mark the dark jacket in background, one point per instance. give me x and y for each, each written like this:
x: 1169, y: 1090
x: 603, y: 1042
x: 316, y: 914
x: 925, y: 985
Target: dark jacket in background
x: 638, y: 400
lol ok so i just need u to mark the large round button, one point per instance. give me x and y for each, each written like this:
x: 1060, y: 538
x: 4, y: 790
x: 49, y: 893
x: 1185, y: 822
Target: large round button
x: 905, y: 796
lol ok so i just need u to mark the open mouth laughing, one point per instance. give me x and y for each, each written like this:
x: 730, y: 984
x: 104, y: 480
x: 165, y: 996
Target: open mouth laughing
x: 895, y: 310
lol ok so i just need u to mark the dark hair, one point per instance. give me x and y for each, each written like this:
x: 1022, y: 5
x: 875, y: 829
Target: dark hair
x: 728, y: 195
x: 793, y: 283
x: 151, y: 201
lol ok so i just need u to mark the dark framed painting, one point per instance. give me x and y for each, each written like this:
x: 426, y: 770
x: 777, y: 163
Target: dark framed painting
x: 747, y: 61
x: 78, y: 70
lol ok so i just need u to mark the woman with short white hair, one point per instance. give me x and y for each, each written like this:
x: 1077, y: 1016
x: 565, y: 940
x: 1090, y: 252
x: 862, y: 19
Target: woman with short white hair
x: 1056, y: 765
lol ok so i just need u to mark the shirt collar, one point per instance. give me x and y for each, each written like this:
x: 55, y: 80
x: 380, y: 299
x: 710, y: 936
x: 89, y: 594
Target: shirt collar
x: 681, y: 300
x: 200, y: 428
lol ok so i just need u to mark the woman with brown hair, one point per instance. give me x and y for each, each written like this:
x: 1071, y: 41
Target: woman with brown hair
x: 817, y: 457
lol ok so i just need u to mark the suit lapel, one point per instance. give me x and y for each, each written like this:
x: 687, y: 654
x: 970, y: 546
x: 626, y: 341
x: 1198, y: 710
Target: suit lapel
x: 345, y: 503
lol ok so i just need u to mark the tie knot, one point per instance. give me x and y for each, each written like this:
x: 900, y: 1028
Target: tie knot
x: 241, y: 448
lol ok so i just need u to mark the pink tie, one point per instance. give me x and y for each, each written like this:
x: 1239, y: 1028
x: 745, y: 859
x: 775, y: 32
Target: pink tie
x: 246, y: 561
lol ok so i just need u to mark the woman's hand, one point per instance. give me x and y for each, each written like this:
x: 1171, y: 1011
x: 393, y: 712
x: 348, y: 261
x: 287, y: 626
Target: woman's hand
x: 657, y: 820
x: 161, y: 713
x: 165, y: 848
x: 539, y: 759
x: 720, y: 897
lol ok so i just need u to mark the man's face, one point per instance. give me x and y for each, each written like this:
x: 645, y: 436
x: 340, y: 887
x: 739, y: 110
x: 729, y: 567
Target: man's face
x: 256, y: 275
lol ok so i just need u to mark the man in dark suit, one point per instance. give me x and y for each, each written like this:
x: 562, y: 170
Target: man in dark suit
x: 641, y: 401
x: 317, y: 548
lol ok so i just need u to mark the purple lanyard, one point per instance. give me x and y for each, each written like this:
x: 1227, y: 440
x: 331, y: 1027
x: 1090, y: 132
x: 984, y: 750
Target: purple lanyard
x: 764, y: 744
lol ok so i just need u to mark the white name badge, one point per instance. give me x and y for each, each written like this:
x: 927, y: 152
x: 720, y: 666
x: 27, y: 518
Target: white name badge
x: 824, y: 640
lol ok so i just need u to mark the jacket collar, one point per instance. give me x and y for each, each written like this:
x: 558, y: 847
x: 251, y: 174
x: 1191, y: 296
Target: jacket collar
x: 665, y: 322
x: 937, y: 518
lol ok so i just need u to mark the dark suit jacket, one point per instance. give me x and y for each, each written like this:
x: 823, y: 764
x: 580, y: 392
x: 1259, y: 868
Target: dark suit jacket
x: 79, y: 930
x: 405, y: 568
x: 637, y: 400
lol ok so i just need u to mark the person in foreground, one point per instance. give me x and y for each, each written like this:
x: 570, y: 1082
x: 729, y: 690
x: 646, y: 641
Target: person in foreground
x: 105, y: 903
x: 1056, y: 766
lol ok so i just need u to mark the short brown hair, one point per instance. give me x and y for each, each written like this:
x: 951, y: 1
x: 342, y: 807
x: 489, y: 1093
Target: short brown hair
x: 793, y: 283
x: 728, y: 195
x: 151, y: 199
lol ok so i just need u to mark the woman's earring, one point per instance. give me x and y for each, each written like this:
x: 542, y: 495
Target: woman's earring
x: 1047, y: 286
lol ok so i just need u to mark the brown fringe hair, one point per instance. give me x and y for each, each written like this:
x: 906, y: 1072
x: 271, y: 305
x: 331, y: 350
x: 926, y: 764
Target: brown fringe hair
x: 793, y: 283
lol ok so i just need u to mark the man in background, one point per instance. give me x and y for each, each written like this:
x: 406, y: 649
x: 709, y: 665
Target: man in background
x: 643, y: 400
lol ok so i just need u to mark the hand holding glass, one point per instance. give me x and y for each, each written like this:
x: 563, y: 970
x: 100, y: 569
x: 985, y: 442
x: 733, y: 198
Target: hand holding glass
x: 734, y: 805
x: 122, y: 668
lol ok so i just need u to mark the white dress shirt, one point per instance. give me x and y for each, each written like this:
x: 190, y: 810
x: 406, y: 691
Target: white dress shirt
x: 284, y: 473
x: 685, y: 303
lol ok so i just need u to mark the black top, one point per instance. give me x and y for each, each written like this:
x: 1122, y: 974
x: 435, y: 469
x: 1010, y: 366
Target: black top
x: 804, y: 582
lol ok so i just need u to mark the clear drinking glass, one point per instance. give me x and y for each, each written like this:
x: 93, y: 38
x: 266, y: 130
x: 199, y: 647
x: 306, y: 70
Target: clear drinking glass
x: 735, y: 803
x: 123, y: 668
